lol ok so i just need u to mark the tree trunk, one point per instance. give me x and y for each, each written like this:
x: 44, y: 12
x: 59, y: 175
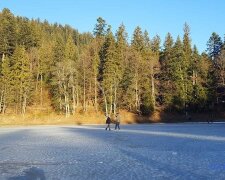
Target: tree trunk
x: 41, y: 94
x: 60, y: 103
x: 106, y: 105
x: 1, y: 100
x: 96, y: 103
x: 24, y: 104
x: 111, y: 99
x: 17, y: 102
x: 89, y: 96
x: 36, y: 84
x: 136, y: 95
x: 84, y: 92
x: 77, y: 95
x: 21, y: 99
x: 153, y: 90
x: 4, y: 101
x: 67, y: 107
x: 115, y: 101
x: 65, y: 101
x: 74, y: 99
x: 152, y: 86
x: 184, y: 87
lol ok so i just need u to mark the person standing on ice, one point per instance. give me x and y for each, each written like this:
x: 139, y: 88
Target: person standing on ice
x: 117, y: 122
x: 108, y: 122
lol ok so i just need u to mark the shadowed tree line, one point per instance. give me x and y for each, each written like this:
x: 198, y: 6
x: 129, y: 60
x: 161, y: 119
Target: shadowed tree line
x: 102, y: 71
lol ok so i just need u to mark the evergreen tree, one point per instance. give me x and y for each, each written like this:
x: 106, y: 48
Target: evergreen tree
x: 214, y: 46
x: 179, y: 97
x: 216, y: 54
x: 221, y: 68
x: 121, y: 53
x: 21, y: 79
x: 150, y: 64
x: 27, y: 35
x: 130, y: 83
x: 166, y: 71
x: 188, y: 71
x: 65, y: 77
x: 168, y: 46
x: 155, y: 45
x: 84, y: 71
x: 138, y: 45
x: 43, y: 64
x: 100, y: 30
x: 109, y: 79
x: 138, y: 40
x: 95, y: 61
x: 5, y: 81
x: 8, y: 34
x: 199, y: 94
x: 187, y: 43
x: 147, y: 40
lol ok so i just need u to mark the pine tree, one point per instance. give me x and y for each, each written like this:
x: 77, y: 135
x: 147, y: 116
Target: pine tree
x: 150, y: 66
x: 155, y: 44
x: 8, y: 34
x: 109, y: 79
x: 166, y: 71
x: 56, y: 77
x: 188, y: 71
x: 147, y: 40
x: 138, y: 45
x: 21, y: 79
x: 214, y: 46
x: 221, y: 68
x: 99, y: 30
x: 5, y: 81
x: 187, y: 43
x: 82, y: 69
x: 95, y: 61
x: 199, y: 94
x: 216, y: 54
x: 43, y: 64
x: 138, y: 40
x: 168, y: 47
x: 64, y: 76
x: 121, y: 44
x: 208, y: 78
x: 130, y: 82
x: 121, y: 58
x: 178, y: 73
x: 27, y: 34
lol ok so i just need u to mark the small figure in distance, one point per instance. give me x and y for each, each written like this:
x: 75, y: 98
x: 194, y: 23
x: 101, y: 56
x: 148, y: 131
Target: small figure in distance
x: 108, y: 122
x: 117, y: 122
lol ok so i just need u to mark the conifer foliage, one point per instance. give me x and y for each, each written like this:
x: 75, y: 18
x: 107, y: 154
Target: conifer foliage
x: 103, y: 71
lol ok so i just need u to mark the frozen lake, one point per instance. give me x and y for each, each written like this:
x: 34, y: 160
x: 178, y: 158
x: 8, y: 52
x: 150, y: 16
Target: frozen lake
x: 154, y: 151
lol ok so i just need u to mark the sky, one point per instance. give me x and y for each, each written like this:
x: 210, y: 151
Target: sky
x: 155, y: 16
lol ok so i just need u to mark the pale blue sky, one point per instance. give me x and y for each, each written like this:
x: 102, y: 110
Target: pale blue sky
x: 156, y: 16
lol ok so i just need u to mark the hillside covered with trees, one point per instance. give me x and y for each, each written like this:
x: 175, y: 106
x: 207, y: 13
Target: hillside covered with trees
x: 104, y: 72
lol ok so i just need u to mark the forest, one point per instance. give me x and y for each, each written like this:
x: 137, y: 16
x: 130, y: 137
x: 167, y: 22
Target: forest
x: 102, y: 71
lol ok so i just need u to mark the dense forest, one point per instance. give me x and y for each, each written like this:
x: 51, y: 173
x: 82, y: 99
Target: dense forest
x: 102, y: 71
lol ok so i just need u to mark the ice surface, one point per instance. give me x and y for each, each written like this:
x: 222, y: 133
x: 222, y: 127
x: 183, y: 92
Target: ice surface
x: 155, y: 151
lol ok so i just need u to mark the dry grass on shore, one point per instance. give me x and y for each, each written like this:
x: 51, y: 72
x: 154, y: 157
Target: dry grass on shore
x: 51, y: 118
x: 56, y: 119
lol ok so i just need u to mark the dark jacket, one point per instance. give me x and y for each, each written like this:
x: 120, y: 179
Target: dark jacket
x: 108, y: 120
